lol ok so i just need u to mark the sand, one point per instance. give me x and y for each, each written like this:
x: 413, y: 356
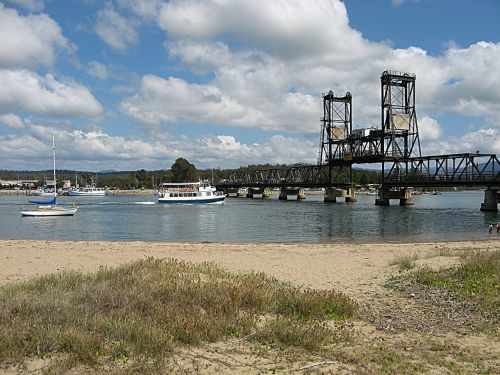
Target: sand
x: 359, y: 270
x: 356, y: 269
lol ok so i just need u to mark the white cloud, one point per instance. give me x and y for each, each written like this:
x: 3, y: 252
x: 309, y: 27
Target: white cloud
x: 174, y: 99
x: 98, y: 70
x: 429, y: 129
x: 200, y: 57
x: 27, y: 91
x: 116, y: 30
x: 484, y: 140
x: 29, y: 41
x: 146, y: 9
x: 400, y: 2
x: 98, y: 150
x: 11, y: 120
x: 32, y: 5
x: 292, y: 29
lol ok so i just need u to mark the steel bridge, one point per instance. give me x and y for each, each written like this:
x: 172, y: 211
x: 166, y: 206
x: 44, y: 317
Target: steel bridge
x: 395, y: 146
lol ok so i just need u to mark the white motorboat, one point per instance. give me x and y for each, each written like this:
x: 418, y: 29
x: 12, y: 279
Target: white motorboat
x: 190, y: 193
x: 88, y: 191
x: 43, y: 192
x: 49, y: 208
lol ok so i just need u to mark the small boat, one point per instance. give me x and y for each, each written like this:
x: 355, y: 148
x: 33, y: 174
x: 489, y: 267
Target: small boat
x: 88, y: 191
x: 43, y: 192
x: 49, y: 208
x: 190, y: 193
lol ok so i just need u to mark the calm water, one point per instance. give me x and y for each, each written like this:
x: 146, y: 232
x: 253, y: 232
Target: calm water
x: 449, y: 216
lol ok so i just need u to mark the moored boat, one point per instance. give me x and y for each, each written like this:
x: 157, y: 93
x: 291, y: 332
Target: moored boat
x: 88, y: 191
x: 49, y: 208
x: 190, y: 193
x: 43, y: 192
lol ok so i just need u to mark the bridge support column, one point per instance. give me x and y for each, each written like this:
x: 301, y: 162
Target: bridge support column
x: 383, y: 198
x: 330, y: 195
x: 249, y: 193
x: 283, y: 195
x: 241, y: 192
x: 350, y: 195
x: 266, y: 193
x: 490, y: 200
x: 406, y: 197
x: 301, y: 194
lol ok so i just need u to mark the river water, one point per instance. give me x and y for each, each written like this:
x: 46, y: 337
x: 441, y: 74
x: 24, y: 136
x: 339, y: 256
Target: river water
x: 449, y: 216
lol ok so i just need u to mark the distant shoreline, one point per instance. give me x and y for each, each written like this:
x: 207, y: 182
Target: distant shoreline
x: 110, y: 192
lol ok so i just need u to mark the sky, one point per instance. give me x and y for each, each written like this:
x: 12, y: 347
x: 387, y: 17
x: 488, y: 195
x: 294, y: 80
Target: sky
x: 126, y: 84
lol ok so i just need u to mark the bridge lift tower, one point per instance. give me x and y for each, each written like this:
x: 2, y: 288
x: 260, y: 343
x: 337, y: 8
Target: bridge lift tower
x: 335, y: 151
x: 394, y: 143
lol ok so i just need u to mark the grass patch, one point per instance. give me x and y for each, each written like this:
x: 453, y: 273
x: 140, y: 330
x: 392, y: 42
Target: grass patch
x: 138, y: 313
x: 285, y: 332
x: 476, y: 279
x: 405, y: 262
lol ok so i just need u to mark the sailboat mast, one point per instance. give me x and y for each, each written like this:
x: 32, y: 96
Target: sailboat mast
x: 54, y: 160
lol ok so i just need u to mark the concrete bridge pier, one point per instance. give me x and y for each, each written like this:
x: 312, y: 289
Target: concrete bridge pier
x: 331, y: 195
x: 283, y: 194
x: 301, y: 194
x: 350, y: 195
x: 405, y: 196
x: 266, y: 193
x: 383, y: 197
x: 490, y: 200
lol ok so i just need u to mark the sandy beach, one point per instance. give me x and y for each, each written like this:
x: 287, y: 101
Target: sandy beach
x: 353, y: 268
x: 359, y: 270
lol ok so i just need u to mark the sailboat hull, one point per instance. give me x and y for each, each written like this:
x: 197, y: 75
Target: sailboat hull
x: 50, y: 211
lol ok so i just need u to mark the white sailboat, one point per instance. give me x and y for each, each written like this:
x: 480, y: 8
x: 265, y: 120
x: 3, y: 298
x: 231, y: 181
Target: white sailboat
x: 50, y: 208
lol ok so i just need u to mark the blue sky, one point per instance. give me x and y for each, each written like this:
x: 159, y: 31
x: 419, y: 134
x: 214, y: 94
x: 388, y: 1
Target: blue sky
x: 129, y: 84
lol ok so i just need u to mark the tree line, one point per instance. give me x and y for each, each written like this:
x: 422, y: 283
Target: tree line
x: 180, y: 171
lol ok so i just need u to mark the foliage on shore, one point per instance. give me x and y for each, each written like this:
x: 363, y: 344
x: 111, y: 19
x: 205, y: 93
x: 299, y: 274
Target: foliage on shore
x: 180, y: 171
x: 477, y: 278
x: 468, y: 290
x: 139, y: 313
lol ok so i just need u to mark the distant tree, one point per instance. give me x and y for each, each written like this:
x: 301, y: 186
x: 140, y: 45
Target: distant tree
x: 183, y: 171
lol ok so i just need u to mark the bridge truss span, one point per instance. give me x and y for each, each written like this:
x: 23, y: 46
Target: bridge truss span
x: 303, y: 176
x: 482, y: 170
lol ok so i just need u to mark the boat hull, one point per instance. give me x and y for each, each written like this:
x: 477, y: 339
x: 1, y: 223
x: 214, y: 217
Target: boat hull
x: 50, y: 212
x: 194, y: 200
x: 43, y: 194
x: 86, y: 194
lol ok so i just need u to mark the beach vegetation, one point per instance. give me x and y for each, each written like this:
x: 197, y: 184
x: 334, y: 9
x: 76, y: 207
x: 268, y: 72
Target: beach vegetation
x: 477, y: 278
x: 138, y: 314
x: 405, y: 262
